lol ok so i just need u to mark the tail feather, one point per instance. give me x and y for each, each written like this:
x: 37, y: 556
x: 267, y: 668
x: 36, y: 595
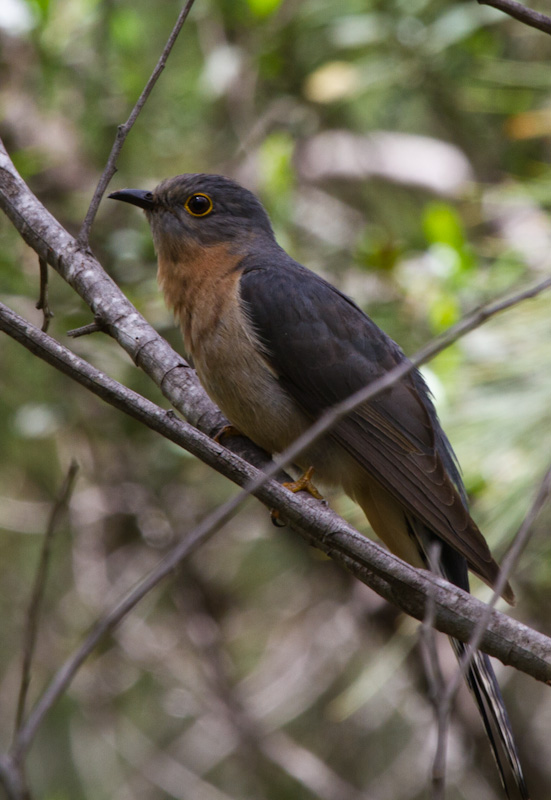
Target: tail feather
x: 412, y: 540
x: 484, y: 687
x: 480, y: 676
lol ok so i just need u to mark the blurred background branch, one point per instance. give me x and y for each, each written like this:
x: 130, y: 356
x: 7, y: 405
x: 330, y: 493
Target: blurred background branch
x: 39, y: 586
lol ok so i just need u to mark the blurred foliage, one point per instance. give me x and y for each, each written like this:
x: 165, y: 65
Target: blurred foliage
x: 262, y: 671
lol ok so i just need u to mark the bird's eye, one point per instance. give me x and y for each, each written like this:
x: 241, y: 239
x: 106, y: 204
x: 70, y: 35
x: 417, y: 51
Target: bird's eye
x: 198, y: 205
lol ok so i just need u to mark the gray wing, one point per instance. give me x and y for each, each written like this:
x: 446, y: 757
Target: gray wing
x: 323, y: 348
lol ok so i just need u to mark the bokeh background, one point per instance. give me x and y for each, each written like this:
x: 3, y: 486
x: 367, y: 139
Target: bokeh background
x: 401, y: 149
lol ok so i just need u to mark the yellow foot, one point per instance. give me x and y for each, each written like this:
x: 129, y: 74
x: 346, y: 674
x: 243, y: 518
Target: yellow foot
x: 304, y: 484
x: 227, y: 430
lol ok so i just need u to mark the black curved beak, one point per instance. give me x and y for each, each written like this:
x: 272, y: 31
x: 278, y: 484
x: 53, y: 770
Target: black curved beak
x: 137, y: 197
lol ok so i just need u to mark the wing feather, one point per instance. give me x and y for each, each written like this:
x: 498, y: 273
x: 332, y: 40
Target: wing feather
x: 323, y: 348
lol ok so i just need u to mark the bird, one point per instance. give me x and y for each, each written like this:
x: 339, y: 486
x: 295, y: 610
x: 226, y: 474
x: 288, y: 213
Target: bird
x: 275, y: 345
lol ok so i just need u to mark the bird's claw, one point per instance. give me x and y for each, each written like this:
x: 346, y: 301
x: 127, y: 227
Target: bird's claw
x: 304, y: 484
x: 226, y: 430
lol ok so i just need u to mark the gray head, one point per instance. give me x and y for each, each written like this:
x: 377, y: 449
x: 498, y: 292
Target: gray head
x: 199, y: 209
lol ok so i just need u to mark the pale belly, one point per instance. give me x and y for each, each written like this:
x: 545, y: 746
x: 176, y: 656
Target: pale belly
x: 250, y: 396
x: 234, y: 373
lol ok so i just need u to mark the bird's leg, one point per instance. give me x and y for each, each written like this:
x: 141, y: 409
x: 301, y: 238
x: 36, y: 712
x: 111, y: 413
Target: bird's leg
x: 304, y: 484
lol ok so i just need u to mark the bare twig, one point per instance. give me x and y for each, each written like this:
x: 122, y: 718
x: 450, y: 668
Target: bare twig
x: 124, y: 130
x: 37, y: 596
x: 42, y: 303
x: 93, y: 327
x: 438, y: 776
x: 532, y: 18
x: 119, y: 396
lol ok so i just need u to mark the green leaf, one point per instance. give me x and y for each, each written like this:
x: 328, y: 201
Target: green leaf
x: 275, y: 161
x: 39, y: 8
x: 442, y: 224
x: 263, y: 8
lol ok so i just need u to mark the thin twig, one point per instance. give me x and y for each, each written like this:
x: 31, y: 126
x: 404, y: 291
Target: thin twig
x: 93, y: 327
x: 42, y: 302
x: 532, y: 18
x: 430, y: 656
x: 37, y: 595
x: 124, y: 130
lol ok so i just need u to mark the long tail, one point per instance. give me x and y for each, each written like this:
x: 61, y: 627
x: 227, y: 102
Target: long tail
x: 480, y: 677
x: 411, y: 540
x: 484, y: 687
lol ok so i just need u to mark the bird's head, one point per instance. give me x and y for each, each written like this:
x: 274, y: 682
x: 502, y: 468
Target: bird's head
x: 199, y: 210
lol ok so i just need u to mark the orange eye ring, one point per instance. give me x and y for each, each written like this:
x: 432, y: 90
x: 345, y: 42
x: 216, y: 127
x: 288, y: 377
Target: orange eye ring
x: 198, y: 204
